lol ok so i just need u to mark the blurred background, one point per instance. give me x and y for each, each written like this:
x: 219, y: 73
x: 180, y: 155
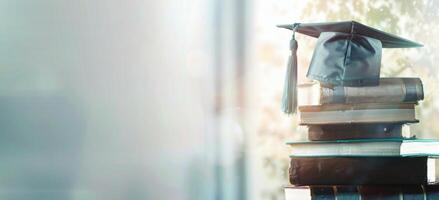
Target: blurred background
x: 171, y: 99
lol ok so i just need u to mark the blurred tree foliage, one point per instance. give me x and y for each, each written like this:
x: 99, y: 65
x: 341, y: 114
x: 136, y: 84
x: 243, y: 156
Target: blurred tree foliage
x: 410, y: 18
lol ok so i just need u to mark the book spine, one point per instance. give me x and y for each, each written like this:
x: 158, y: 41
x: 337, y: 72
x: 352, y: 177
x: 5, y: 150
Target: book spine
x: 390, y: 90
x: 358, y: 170
x: 394, y: 192
x: 354, y: 131
x: 369, y: 192
x: 335, y: 192
x: 323, y: 193
x: 431, y: 191
x: 358, y: 116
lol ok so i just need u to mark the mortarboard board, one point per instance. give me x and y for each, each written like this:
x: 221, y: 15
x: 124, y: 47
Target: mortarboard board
x: 347, y: 53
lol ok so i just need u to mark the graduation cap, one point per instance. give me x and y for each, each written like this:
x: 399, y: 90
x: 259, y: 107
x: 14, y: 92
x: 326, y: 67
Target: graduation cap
x: 347, y: 53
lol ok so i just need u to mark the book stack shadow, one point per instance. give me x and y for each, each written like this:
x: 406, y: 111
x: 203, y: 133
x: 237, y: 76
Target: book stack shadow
x: 356, y: 147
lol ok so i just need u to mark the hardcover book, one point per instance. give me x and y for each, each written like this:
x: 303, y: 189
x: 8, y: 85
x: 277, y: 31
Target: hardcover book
x: 357, y: 113
x: 390, y: 192
x: 366, y: 147
x: 358, y: 170
x: 355, y: 131
x: 389, y: 90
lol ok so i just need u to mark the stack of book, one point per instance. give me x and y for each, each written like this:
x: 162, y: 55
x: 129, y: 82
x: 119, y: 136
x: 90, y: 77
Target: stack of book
x: 356, y: 148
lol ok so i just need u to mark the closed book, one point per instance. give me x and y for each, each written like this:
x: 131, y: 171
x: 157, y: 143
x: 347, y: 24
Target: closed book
x: 389, y: 90
x: 366, y: 147
x: 357, y: 113
x: 371, y: 192
x: 358, y: 170
x: 354, y: 131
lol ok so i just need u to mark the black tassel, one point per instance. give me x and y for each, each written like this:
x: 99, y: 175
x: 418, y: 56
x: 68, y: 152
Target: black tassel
x: 289, y: 97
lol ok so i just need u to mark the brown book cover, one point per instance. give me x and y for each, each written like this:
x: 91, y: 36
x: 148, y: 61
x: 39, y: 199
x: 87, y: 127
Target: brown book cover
x: 354, y: 131
x: 390, y: 90
x: 357, y: 113
x: 358, y: 170
x: 355, y: 106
